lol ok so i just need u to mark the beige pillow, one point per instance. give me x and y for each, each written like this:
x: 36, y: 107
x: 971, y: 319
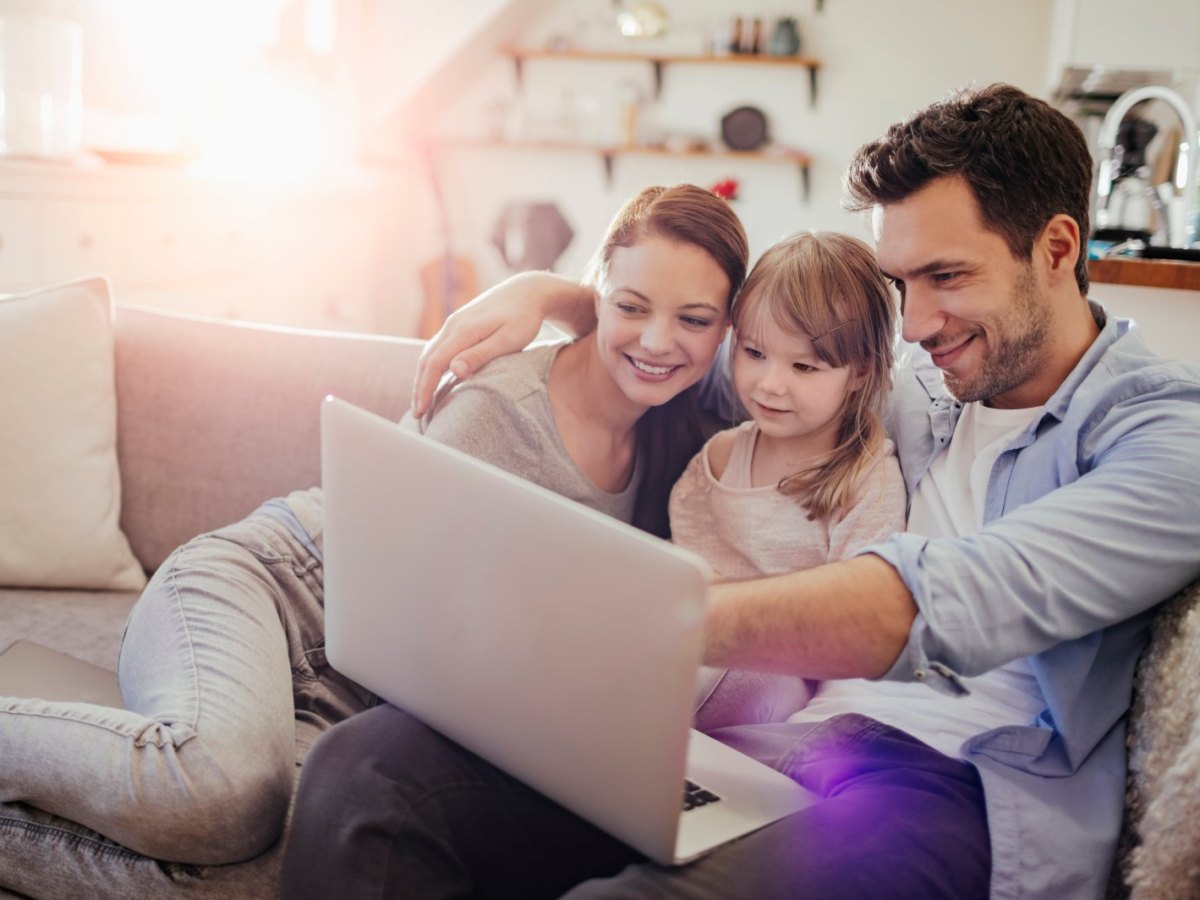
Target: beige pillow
x: 60, y: 489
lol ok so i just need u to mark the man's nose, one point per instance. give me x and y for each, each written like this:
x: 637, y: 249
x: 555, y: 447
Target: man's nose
x: 920, y: 317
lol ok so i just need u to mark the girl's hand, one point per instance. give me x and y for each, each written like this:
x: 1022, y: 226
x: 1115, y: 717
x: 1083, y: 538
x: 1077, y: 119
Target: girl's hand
x: 503, y: 319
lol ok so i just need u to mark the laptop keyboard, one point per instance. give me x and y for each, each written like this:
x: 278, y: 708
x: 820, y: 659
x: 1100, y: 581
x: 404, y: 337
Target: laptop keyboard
x: 695, y: 796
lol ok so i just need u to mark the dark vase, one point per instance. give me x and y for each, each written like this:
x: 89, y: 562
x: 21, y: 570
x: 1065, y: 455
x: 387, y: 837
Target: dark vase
x: 785, y: 38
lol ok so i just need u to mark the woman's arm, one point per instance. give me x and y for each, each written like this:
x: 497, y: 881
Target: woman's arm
x: 501, y: 320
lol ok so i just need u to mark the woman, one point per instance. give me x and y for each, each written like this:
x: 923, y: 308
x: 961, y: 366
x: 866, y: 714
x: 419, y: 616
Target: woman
x: 222, y: 667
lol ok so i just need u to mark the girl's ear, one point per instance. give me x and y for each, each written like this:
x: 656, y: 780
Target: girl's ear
x: 860, y: 379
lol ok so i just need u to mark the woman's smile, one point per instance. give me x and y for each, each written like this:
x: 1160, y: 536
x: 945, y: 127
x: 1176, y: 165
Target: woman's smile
x: 652, y: 371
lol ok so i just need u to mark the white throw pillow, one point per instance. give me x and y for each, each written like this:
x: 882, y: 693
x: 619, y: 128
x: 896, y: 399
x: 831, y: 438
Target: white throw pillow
x: 60, y: 489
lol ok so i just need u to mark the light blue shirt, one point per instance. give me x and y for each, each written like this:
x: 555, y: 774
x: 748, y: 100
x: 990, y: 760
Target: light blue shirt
x: 1091, y: 518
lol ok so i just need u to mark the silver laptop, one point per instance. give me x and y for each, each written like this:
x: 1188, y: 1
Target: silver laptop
x: 554, y: 641
x: 28, y: 669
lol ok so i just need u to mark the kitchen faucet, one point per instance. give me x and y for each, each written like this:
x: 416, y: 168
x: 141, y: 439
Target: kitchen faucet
x: 1112, y: 153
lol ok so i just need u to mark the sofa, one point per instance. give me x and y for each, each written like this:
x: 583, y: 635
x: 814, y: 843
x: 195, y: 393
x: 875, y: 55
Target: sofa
x: 210, y: 418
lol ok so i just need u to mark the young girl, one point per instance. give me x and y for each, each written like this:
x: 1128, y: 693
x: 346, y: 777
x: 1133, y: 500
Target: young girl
x: 811, y: 477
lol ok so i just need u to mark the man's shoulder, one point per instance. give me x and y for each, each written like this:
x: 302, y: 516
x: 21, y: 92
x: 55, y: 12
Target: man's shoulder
x: 1129, y: 370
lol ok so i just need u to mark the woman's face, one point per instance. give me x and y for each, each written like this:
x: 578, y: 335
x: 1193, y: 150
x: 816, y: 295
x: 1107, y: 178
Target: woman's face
x: 661, y: 314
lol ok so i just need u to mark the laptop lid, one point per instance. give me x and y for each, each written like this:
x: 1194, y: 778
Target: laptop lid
x: 555, y: 641
x: 29, y: 669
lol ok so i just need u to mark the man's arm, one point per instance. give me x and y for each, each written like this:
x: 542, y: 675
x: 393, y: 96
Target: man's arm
x: 845, y: 619
x: 503, y: 319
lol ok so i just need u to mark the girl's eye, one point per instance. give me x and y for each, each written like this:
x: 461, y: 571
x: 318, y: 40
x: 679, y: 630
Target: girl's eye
x: 753, y: 352
x: 803, y: 367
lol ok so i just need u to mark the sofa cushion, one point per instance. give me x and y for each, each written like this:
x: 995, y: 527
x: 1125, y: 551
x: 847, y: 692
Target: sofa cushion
x: 60, y: 489
x: 85, y: 624
x: 1159, y: 855
x: 215, y: 416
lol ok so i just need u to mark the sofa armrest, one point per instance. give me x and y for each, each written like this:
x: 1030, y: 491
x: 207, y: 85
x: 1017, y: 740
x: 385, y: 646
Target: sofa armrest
x: 215, y: 417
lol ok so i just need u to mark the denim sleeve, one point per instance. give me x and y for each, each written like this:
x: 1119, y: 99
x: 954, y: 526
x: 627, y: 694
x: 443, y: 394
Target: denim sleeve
x: 1091, y: 532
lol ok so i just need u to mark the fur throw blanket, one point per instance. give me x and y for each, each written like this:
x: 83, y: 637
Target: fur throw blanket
x: 1158, y: 857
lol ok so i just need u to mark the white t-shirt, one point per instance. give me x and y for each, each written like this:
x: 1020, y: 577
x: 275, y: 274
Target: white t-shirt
x: 948, y: 502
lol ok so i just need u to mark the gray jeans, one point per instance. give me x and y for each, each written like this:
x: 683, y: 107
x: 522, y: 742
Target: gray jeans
x: 224, y: 677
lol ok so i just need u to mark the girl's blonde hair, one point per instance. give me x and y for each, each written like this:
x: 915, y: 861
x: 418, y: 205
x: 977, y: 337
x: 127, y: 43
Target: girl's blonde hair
x: 829, y: 288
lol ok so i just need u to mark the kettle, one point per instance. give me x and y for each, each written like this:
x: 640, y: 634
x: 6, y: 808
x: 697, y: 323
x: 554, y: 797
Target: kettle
x: 1146, y: 187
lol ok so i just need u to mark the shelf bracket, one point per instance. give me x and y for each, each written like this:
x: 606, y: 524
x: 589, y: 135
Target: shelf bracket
x: 812, y: 87
x: 805, y: 182
x: 519, y: 72
x: 607, y: 157
x: 658, y: 77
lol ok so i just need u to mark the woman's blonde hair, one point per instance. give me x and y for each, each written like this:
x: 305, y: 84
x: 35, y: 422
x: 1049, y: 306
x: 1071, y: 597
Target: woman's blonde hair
x: 829, y: 288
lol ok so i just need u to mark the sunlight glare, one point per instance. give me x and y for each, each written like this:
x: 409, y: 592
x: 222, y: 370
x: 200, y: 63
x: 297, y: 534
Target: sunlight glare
x: 263, y: 130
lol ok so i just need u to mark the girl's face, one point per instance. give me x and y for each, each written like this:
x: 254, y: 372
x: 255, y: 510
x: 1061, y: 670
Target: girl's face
x: 661, y: 314
x: 788, y: 391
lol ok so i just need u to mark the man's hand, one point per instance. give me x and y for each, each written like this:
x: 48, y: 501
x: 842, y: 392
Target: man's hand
x: 847, y: 619
x: 503, y: 319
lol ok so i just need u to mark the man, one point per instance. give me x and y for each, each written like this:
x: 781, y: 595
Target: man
x: 1054, y: 502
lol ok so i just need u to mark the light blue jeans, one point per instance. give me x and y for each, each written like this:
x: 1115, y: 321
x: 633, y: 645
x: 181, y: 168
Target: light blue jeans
x: 225, y: 682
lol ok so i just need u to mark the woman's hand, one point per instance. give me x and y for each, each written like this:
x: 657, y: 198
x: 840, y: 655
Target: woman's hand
x: 503, y: 319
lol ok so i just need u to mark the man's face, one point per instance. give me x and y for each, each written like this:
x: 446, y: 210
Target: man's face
x: 980, y: 312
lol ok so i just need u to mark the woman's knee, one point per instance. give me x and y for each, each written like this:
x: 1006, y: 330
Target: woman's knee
x: 210, y: 812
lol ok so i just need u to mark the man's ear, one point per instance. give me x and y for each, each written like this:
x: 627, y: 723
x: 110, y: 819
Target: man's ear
x: 1059, y: 245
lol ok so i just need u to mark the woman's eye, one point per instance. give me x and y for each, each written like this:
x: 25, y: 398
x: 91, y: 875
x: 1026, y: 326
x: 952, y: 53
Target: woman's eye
x: 694, y: 322
x: 628, y: 308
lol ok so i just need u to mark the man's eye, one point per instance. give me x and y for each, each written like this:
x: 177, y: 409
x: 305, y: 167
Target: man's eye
x: 944, y: 277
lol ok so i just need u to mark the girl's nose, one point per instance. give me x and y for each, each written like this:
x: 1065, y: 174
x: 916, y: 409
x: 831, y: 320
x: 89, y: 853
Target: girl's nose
x: 771, y: 381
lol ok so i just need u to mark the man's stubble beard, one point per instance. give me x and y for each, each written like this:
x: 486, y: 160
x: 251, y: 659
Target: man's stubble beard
x: 1013, y: 354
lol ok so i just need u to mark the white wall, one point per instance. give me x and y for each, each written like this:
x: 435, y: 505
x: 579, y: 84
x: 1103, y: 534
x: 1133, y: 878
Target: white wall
x: 1169, y: 319
x: 880, y: 61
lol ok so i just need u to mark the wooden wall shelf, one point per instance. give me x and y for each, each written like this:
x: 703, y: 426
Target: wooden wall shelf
x: 1160, y: 273
x: 658, y: 60
x: 609, y: 153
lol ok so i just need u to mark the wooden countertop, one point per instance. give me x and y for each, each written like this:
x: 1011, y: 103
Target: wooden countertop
x: 1160, y: 273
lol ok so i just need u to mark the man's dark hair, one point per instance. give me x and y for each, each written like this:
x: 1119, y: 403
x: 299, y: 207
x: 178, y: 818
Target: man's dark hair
x: 1025, y: 162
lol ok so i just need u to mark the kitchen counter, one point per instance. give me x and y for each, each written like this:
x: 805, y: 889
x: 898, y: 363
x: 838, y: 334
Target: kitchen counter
x: 1159, y: 273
